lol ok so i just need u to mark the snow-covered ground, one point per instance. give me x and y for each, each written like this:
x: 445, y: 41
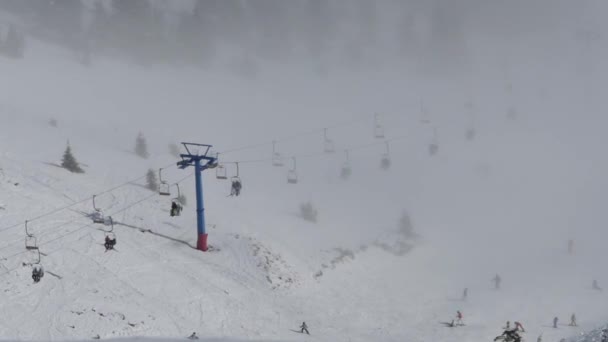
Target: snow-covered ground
x: 505, y: 203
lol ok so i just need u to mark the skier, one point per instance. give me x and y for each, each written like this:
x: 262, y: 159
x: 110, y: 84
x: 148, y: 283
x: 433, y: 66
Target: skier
x: 459, y: 318
x: 304, y: 328
x: 540, y: 338
x: 37, y: 274
x: 596, y: 286
x: 573, y: 320
x: 236, y: 187
x: 193, y: 336
x: 507, y: 326
x: 497, y: 280
x: 555, y: 319
x: 174, y: 209
x: 509, y: 335
x: 465, y: 294
x: 109, y: 243
x: 519, y: 327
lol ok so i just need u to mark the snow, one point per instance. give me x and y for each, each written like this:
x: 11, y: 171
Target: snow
x: 269, y: 270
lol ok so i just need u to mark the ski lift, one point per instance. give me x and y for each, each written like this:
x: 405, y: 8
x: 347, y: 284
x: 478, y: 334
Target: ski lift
x: 385, y: 162
x: 163, y: 187
x: 277, y: 159
x: 31, y: 242
x: 98, y: 214
x: 237, y: 185
x: 346, y: 169
x: 37, y: 270
x: 434, y: 146
x: 378, y: 129
x: 292, y: 176
x: 328, y: 145
x: 220, y: 170
x: 110, y: 238
x: 470, y: 132
x: 424, y: 114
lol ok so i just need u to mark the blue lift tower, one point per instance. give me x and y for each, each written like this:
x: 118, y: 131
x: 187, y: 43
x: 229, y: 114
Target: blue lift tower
x: 197, y: 155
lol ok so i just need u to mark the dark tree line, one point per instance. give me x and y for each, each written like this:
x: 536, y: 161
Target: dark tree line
x: 157, y: 32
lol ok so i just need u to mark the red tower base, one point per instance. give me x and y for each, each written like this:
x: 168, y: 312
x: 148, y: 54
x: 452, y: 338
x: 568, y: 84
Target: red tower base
x: 201, y: 244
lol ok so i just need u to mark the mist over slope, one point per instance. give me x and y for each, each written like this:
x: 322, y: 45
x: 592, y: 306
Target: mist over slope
x: 506, y: 201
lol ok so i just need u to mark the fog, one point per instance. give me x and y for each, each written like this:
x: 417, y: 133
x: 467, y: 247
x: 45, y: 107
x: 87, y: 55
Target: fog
x: 528, y: 76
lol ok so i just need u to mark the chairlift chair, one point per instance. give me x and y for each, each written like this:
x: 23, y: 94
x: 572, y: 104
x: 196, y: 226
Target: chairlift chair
x: 292, y: 176
x: 163, y: 187
x: 98, y: 214
x: 328, y: 145
x: 221, y: 172
x: 236, y: 183
x: 110, y: 237
x: 346, y: 170
x: 385, y: 162
x: 434, y: 145
x: 277, y: 159
x: 378, y: 129
x: 31, y: 243
x: 424, y: 114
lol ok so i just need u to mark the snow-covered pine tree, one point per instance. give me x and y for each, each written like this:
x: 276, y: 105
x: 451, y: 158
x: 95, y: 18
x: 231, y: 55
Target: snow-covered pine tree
x: 151, y: 181
x: 405, y: 226
x: 69, y: 162
x: 141, y: 146
x: 14, y: 45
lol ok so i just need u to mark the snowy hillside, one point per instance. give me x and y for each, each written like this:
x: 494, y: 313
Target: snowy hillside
x: 506, y: 202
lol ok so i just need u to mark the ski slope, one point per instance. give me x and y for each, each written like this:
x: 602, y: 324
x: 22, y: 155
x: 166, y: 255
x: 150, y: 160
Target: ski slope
x: 480, y: 208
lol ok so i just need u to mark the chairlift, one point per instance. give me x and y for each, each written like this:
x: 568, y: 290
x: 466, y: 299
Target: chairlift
x: 292, y: 176
x: 220, y: 170
x: 37, y: 270
x: 110, y: 238
x: 237, y: 184
x: 277, y: 159
x: 434, y: 145
x: 385, y: 162
x: 98, y: 214
x: 378, y: 129
x: 31, y: 243
x: 163, y: 187
x: 424, y: 114
x: 470, y: 132
x: 346, y: 170
x: 328, y: 145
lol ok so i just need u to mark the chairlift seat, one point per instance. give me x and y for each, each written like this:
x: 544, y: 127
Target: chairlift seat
x: 329, y: 146
x: 221, y: 172
x: 277, y: 160
x: 164, y: 190
x: 292, y: 177
x: 379, y: 132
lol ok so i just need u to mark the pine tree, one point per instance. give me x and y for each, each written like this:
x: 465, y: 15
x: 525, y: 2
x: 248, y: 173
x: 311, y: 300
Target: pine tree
x: 141, y: 146
x: 406, y: 227
x: 14, y: 46
x: 69, y: 162
x: 151, y: 181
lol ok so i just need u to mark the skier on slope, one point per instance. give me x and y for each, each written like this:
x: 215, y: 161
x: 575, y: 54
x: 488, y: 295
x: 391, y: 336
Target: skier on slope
x: 573, y: 320
x: 304, y: 328
x: 509, y: 336
x: 555, y: 320
x: 507, y: 326
x: 459, y: 318
x: 519, y: 327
